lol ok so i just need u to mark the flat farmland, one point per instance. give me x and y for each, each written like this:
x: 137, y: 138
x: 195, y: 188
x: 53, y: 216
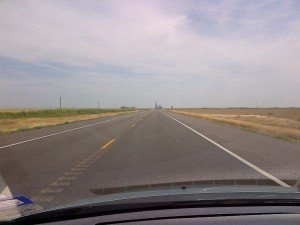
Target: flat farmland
x: 18, y: 110
x: 278, y: 122
x: 13, y: 120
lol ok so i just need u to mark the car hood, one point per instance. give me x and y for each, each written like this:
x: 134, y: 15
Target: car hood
x: 183, y: 191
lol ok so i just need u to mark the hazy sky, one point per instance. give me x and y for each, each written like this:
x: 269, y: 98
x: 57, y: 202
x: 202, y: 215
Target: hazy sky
x: 181, y: 53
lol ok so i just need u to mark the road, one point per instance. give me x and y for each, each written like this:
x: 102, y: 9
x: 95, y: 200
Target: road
x: 60, y: 164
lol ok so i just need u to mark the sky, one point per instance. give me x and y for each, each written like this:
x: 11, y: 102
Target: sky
x: 134, y: 53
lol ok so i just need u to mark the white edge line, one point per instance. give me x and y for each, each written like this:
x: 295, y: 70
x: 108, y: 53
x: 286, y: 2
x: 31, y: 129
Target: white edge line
x: 270, y: 176
x: 61, y: 132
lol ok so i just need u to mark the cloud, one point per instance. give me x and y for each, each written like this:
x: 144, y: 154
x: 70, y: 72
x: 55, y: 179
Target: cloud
x: 142, y: 51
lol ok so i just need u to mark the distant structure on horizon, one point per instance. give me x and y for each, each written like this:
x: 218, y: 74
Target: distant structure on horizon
x: 157, y: 106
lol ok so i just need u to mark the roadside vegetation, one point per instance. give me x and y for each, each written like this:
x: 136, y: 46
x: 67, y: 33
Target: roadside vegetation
x: 279, y: 122
x: 24, y: 119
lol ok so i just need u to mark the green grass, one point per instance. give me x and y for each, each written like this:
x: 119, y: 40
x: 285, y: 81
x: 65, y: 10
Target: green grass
x: 48, y: 113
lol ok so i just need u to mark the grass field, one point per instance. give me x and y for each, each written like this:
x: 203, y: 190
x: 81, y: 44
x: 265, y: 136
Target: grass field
x: 18, y: 109
x: 278, y: 122
x: 24, y: 119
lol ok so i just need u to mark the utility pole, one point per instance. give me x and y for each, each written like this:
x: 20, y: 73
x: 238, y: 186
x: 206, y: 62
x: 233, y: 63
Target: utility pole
x: 60, y: 102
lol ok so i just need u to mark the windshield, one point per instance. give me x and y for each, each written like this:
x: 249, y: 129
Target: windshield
x: 106, y: 97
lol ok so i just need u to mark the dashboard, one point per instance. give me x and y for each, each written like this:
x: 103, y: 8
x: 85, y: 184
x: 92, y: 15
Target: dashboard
x: 220, y: 215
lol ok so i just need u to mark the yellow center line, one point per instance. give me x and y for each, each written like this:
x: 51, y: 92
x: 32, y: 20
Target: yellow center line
x: 108, y: 143
x: 72, y: 173
x: 83, y: 165
x: 65, y: 178
x: 42, y: 198
x: 51, y: 190
x: 78, y: 169
x: 59, y: 184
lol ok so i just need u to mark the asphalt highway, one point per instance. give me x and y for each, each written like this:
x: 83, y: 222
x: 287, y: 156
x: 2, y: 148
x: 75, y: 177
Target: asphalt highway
x: 61, y: 164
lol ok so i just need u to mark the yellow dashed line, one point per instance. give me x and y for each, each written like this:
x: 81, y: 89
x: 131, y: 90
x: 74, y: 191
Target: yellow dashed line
x: 51, y: 190
x: 67, y: 178
x: 108, y: 143
x: 90, y: 159
x: 83, y: 165
x: 78, y: 169
x: 73, y: 173
x: 42, y: 198
x: 55, y: 184
x: 133, y: 125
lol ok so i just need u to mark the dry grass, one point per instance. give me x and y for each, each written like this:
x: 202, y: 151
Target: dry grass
x: 19, y: 110
x: 286, y: 113
x: 269, y: 124
x: 20, y: 124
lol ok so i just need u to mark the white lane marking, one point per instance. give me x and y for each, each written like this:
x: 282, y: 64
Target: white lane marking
x: 61, y: 132
x: 270, y: 176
